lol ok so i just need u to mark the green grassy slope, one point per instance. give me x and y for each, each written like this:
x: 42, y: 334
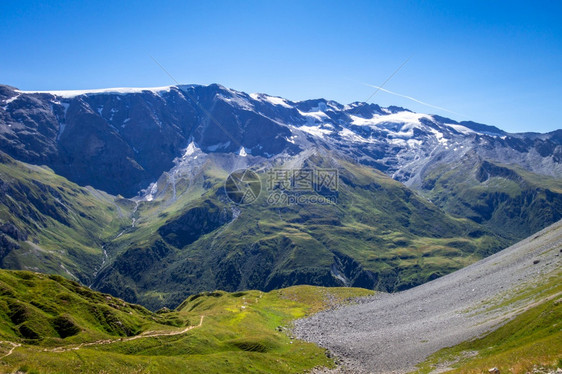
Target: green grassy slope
x: 51, y: 310
x: 504, y: 198
x: 213, y: 332
x: 51, y: 225
x: 379, y: 235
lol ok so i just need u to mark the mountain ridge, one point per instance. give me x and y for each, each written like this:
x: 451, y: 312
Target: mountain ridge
x: 219, y: 119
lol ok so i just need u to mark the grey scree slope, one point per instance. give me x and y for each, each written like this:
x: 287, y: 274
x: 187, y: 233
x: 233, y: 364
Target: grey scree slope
x: 394, y: 332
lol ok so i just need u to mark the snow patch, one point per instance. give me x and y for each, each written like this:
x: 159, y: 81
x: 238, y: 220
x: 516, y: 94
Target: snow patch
x: 397, y: 141
x: 314, y: 130
x: 414, y: 143
x: 348, y: 134
x: 152, y: 189
x: 275, y: 100
x: 400, y: 117
x: 13, y: 98
x: 191, y: 149
x: 439, y: 136
x: 68, y: 94
x: 460, y: 128
x: 291, y: 139
x: 317, y: 116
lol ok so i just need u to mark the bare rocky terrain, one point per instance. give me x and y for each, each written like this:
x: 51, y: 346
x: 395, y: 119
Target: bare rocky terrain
x: 391, y: 333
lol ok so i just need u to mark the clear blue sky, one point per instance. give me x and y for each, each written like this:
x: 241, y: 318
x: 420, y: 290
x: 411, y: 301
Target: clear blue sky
x: 494, y: 62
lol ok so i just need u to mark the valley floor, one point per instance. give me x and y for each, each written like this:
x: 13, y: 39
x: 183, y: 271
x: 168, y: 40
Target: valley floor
x: 396, y: 332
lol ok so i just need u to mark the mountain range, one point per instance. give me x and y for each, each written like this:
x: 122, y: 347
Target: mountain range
x: 123, y: 190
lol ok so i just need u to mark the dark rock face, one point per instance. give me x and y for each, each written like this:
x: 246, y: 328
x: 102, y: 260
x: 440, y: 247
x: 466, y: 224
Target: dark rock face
x: 11, y: 230
x: 488, y: 170
x: 7, y: 245
x: 353, y: 273
x: 10, y: 235
x: 194, y: 223
x: 141, y: 259
x: 65, y: 327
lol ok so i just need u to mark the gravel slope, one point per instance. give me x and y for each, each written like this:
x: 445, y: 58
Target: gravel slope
x: 393, y: 332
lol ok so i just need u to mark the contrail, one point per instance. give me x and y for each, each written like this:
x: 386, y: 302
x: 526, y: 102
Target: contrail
x: 389, y: 78
x: 413, y: 99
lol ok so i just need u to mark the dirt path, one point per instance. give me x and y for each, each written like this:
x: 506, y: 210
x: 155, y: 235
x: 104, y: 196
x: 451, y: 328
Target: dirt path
x: 394, y: 332
x: 14, y: 346
x: 146, y: 334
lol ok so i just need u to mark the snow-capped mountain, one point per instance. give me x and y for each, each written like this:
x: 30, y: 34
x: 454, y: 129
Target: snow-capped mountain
x: 121, y: 140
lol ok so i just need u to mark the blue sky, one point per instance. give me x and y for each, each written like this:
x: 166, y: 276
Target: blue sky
x: 494, y: 62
